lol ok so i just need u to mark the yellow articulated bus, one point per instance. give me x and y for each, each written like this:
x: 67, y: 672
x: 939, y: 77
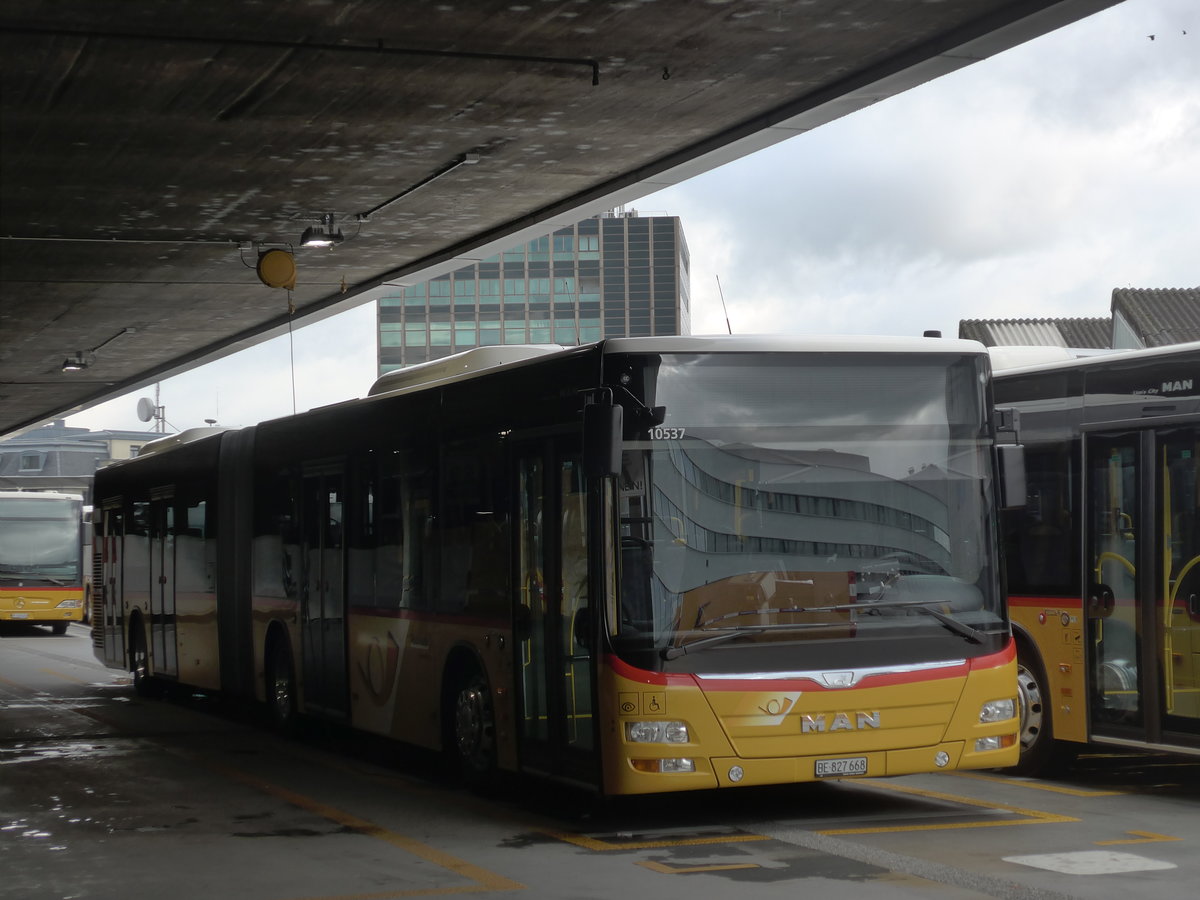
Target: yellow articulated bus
x: 42, y: 567
x: 640, y: 565
x: 1104, y: 560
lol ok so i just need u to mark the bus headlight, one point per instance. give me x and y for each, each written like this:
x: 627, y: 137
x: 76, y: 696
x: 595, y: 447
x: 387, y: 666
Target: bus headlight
x: 660, y: 732
x: 997, y: 711
x: 982, y: 745
x: 68, y: 604
x: 664, y: 766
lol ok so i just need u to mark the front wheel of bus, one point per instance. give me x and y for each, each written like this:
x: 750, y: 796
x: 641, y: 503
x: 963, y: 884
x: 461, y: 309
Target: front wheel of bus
x: 474, y: 730
x: 1040, y: 753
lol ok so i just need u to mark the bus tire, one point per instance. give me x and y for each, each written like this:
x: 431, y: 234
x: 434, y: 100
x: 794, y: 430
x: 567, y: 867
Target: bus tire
x: 59, y: 627
x: 1041, y: 754
x: 473, y: 728
x: 281, y: 687
x: 144, y: 684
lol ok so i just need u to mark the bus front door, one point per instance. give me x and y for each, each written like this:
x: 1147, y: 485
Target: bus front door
x: 322, y: 599
x: 553, y: 642
x: 1143, y: 597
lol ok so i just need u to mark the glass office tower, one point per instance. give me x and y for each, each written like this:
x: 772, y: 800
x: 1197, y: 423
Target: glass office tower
x: 614, y: 275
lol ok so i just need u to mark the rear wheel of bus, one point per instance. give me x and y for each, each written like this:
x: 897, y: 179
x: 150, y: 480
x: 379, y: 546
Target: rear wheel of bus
x: 145, y: 684
x: 280, y: 686
x: 471, y: 738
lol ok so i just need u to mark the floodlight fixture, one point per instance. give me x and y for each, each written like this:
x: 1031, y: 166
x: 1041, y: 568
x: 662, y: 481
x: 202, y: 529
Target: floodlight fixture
x: 76, y: 364
x: 323, y: 235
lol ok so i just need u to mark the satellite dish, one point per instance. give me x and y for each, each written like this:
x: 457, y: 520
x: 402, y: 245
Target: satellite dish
x: 145, y: 409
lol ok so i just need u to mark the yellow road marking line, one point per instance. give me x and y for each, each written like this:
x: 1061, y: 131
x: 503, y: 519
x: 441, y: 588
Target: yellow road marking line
x: 484, y: 880
x: 685, y: 870
x: 1032, y: 816
x: 591, y: 843
x: 1143, y: 837
x: 1037, y: 786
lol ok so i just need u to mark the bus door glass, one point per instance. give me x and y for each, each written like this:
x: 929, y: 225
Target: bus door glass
x: 162, y: 585
x: 112, y: 619
x: 552, y: 629
x: 322, y: 607
x: 1179, y: 595
x: 1143, y: 605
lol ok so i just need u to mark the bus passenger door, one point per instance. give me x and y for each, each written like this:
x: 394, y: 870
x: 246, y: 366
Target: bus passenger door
x: 162, y: 586
x: 1143, y: 596
x: 553, y: 642
x: 1176, y: 457
x: 322, y: 606
x: 112, y: 617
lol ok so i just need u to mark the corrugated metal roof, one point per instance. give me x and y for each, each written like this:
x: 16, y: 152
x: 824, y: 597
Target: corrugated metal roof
x: 1091, y: 333
x: 1160, y: 316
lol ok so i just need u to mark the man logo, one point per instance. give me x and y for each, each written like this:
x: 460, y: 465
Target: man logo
x: 821, y: 723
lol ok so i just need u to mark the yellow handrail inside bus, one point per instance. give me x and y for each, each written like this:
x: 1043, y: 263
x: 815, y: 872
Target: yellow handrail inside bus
x: 1109, y: 556
x: 1195, y: 560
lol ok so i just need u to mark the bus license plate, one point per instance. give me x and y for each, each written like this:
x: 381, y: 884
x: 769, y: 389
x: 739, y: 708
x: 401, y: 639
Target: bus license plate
x: 849, y: 765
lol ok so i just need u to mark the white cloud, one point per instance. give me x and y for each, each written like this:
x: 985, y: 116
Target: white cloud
x: 1027, y: 185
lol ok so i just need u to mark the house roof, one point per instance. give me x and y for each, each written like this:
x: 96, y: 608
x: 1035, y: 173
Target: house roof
x: 1160, y: 316
x: 1091, y: 333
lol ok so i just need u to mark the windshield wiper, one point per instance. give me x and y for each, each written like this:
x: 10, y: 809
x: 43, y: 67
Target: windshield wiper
x: 27, y: 575
x: 974, y: 635
x: 776, y: 611
x: 684, y: 649
x: 741, y: 630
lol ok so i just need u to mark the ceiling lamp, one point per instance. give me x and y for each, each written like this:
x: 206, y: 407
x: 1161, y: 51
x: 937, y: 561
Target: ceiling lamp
x: 74, y: 365
x: 323, y: 235
x: 84, y: 357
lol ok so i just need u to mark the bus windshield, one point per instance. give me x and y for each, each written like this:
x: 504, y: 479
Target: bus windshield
x: 836, y: 504
x: 39, y: 540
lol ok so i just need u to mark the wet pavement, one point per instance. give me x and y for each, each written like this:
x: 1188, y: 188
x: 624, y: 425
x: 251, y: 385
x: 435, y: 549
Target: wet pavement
x: 105, y: 794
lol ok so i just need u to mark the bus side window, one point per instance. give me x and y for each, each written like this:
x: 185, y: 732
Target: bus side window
x: 388, y: 525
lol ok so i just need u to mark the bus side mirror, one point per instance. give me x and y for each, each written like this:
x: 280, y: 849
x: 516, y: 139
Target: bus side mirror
x: 602, y: 427
x: 1011, y: 458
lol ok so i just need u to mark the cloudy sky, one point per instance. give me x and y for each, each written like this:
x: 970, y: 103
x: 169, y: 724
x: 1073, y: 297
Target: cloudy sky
x: 1027, y: 185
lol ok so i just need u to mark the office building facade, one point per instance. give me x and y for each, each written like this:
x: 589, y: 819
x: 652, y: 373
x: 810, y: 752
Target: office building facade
x: 613, y: 275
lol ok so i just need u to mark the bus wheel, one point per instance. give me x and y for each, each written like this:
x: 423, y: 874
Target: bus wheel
x: 59, y: 627
x: 145, y: 684
x: 474, y: 730
x: 281, y: 688
x: 1040, y: 753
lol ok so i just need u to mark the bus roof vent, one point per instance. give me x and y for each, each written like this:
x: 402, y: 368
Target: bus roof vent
x: 468, y: 362
x: 187, y: 436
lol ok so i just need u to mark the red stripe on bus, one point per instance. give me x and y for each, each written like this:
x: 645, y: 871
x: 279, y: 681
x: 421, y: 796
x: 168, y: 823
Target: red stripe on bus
x: 1046, y: 602
x: 991, y: 661
x: 29, y: 588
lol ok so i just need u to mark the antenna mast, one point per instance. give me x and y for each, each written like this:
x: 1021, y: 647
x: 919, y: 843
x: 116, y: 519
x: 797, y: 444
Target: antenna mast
x: 723, y: 306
